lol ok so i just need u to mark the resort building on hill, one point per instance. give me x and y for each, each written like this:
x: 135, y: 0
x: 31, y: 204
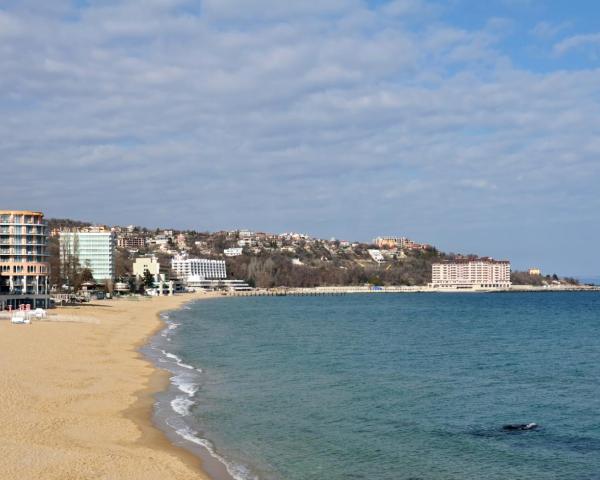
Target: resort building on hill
x: 480, y: 273
x: 388, y: 242
x: 399, y: 242
x: 376, y: 255
x: 24, y: 266
x: 95, y: 249
x: 198, y: 267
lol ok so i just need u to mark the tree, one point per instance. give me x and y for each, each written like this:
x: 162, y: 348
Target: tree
x: 54, y: 260
x: 123, y: 264
x: 148, y: 279
x: 69, y: 264
x: 109, y: 286
x: 86, y: 275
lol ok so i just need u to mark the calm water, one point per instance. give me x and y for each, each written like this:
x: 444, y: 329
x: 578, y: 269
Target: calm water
x: 389, y: 387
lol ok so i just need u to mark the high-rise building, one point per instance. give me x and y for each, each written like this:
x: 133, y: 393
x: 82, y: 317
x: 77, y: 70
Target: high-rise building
x: 471, y: 273
x: 94, y: 248
x: 24, y: 266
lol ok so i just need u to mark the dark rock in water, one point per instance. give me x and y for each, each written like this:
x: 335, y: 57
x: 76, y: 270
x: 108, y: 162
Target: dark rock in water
x: 520, y: 426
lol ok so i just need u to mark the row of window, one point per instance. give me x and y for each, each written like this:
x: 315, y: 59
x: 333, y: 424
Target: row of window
x: 29, y: 259
x: 27, y: 219
x: 21, y: 269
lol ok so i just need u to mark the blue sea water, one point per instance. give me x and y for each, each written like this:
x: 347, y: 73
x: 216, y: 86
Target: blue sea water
x: 391, y: 387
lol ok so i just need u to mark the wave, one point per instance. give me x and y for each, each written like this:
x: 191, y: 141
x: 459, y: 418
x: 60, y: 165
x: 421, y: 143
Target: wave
x: 179, y: 361
x: 182, y: 405
x: 187, y: 382
x: 238, y: 472
x: 183, y: 383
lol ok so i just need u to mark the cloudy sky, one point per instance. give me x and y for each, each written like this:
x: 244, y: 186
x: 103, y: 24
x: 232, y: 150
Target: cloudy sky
x: 471, y: 125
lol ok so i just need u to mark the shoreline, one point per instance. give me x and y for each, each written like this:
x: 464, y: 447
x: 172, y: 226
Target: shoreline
x: 78, y: 396
x: 142, y: 412
x: 163, y: 417
x: 343, y: 290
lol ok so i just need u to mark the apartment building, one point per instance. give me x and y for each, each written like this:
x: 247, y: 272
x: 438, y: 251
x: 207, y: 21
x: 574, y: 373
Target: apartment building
x: 131, y: 242
x: 399, y: 242
x: 24, y: 266
x: 388, y: 242
x: 471, y: 274
x: 199, y: 267
x: 95, y: 249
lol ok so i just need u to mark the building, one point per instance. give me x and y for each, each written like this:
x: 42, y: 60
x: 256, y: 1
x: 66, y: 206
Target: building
x: 95, y: 249
x: 388, y: 242
x: 232, y: 252
x: 131, y: 242
x: 24, y: 266
x: 246, y: 234
x: 197, y: 283
x: 535, y: 272
x: 208, y: 269
x: 471, y: 274
x: 152, y: 265
x: 399, y: 242
x: 246, y: 242
x: 166, y: 288
x: 376, y: 255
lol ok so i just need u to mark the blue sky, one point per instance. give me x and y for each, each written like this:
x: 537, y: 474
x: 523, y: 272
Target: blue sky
x: 470, y: 125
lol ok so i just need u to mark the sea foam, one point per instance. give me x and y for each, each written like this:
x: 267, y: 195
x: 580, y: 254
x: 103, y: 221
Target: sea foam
x: 178, y: 360
x: 183, y: 383
x: 182, y: 405
x: 238, y: 472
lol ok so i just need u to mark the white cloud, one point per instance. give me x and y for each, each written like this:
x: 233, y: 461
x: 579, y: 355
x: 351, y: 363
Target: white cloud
x: 403, y: 8
x: 272, y: 9
x: 9, y: 25
x: 577, y: 41
x: 546, y: 30
x: 241, y: 112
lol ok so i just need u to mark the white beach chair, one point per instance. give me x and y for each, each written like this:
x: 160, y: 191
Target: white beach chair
x: 20, y: 317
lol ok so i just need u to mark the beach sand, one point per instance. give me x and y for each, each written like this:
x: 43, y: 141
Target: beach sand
x: 76, y: 396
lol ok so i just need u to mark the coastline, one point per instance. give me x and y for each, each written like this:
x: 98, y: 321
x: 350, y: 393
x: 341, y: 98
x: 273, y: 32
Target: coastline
x: 343, y: 290
x: 171, y: 398
x: 78, y: 396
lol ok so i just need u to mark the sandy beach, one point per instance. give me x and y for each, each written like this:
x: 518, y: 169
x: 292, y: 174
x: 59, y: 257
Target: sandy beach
x: 77, y: 396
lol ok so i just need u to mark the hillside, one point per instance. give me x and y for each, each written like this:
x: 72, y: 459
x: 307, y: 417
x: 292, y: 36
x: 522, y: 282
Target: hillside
x: 294, y: 260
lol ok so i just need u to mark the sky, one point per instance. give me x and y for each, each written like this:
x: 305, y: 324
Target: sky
x: 470, y: 125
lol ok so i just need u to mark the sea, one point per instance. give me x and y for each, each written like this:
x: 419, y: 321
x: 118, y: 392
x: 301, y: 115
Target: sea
x: 386, y: 386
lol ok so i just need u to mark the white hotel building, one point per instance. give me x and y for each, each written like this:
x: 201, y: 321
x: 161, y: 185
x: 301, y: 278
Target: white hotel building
x: 483, y: 273
x: 198, y: 267
x: 95, y: 249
